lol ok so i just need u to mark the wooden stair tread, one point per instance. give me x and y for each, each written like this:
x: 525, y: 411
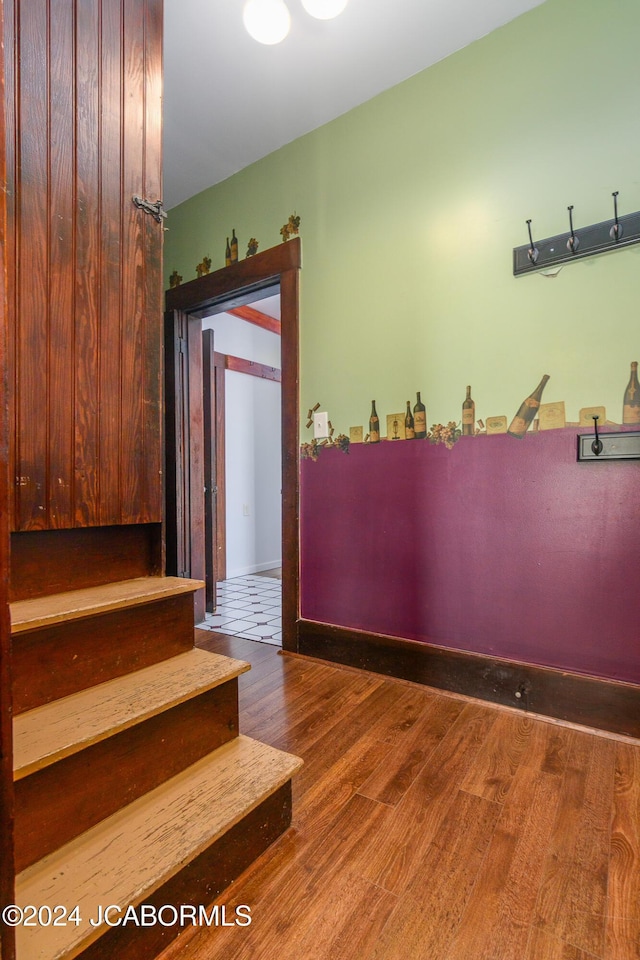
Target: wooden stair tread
x: 75, y: 604
x: 131, y: 854
x: 63, y: 727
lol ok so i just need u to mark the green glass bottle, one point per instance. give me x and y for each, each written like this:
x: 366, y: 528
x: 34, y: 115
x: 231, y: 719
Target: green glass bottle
x: 409, y: 430
x: 374, y: 425
x: 419, y: 419
x: 631, y: 402
x: 528, y: 409
x: 468, y: 415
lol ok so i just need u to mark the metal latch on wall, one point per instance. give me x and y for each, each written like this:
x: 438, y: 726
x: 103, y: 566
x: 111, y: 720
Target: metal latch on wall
x: 155, y: 209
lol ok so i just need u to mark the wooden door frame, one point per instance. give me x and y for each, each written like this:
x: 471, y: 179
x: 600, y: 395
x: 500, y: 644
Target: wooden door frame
x: 184, y: 451
x: 236, y: 285
x: 214, y: 490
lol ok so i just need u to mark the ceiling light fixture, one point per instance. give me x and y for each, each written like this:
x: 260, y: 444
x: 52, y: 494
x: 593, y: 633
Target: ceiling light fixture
x: 324, y: 9
x: 267, y: 21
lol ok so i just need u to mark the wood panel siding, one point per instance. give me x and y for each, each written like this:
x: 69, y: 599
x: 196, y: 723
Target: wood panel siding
x: 83, y: 96
x: 7, y: 797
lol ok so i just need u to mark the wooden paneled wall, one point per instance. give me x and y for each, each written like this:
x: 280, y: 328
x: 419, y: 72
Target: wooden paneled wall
x: 7, y: 800
x: 85, y: 318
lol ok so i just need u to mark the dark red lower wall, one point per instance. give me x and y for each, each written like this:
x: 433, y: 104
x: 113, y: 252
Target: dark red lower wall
x: 499, y: 546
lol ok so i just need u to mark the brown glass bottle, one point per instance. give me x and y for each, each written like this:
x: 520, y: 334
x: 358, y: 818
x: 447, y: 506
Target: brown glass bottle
x: 227, y: 255
x: 409, y: 431
x: 374, y: 425
x: 419, y: 419
x: 468, y: 415
x: 528, y: 409
x: 631, y: 402
x: 234, y: 247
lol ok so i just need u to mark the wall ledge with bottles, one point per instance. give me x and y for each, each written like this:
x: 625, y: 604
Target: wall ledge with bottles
x: 531, y: 414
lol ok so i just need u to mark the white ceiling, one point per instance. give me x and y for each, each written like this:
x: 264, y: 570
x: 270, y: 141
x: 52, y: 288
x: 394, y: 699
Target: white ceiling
x: 229, y: 101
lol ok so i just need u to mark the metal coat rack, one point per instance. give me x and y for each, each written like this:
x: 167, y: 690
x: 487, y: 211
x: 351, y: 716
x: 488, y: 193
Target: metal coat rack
x: 576, y: 244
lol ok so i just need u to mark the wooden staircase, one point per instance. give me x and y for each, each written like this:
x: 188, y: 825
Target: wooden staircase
x: 133, y: 787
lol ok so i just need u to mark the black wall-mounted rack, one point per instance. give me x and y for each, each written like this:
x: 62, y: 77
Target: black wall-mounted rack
x: 609, y: 446
x: 576, y: 244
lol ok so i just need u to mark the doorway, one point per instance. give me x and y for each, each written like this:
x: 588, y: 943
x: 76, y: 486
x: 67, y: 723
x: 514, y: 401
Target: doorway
x: 243, y: 514
x: 186, y: 305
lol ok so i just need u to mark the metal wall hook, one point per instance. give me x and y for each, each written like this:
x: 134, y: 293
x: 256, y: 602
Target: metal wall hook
x: 532, y: 252
x: 616, y: 230
x: 595, y: 238
x: 573, y: 242
x: 596, y: 446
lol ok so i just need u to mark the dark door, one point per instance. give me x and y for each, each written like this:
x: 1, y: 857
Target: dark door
x: 184, y: 442
x: 210, y: 471
x: 83, y: 95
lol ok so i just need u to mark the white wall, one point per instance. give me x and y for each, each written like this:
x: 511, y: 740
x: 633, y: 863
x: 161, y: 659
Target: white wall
x: 253, y: 448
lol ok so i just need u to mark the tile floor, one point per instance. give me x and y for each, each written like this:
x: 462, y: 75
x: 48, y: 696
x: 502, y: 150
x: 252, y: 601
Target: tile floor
x: 248, y: 607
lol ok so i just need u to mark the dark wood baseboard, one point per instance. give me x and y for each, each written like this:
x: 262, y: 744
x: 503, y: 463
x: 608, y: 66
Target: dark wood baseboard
x: 593, y: 702
x: 201, y: 881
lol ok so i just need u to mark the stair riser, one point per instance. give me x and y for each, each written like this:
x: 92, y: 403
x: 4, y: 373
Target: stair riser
x: 61, y: 801
x: 56, y: 661
x: 201, y: 881
x: 52, y: 561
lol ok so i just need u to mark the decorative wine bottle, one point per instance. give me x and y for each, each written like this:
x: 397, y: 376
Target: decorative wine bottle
x: 631, y: 403
x: 468, y: 415
x: 409, y: 431
x: 419, y: 419
x: 234, y: 247
x: 528, y: 409
x: 227, y: 255
x: 374, y: 425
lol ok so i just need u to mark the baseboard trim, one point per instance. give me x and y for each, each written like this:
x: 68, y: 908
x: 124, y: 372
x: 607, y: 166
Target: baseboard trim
x: 590, y: 701
x: 255, y: 568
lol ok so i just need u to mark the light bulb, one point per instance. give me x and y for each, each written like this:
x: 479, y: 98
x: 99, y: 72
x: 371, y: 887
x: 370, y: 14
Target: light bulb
x: 267, y: 21
x: 324, y: 9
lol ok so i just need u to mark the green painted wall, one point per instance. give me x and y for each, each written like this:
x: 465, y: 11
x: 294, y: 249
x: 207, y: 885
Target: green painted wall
x: 411, y: 204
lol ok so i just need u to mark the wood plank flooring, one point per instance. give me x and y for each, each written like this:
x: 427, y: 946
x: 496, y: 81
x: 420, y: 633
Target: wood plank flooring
x: 430, y: 826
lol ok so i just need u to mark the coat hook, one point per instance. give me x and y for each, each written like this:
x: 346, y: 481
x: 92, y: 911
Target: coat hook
x: 533, y: 253
x: 596, y: 446
x: 616, y: 230
x: 573, y: 242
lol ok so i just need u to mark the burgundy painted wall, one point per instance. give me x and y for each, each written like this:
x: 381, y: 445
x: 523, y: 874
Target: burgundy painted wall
x: 499, y: 546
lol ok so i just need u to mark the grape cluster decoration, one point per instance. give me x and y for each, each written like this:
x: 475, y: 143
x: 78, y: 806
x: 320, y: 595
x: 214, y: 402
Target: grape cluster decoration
x: 444, y: 434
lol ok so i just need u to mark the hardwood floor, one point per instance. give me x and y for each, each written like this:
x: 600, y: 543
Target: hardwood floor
x: 430, y: 826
